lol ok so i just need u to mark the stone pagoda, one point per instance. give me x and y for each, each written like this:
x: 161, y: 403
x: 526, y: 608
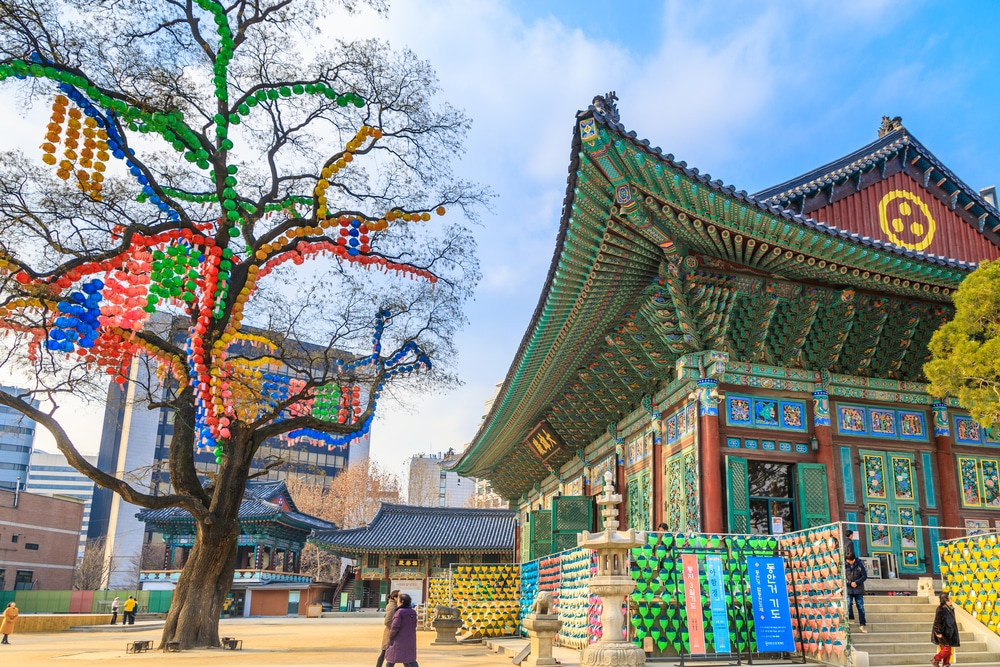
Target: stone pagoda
x: 612, y: 583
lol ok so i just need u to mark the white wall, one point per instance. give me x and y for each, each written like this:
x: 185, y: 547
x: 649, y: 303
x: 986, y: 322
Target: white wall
x: 134, y: 458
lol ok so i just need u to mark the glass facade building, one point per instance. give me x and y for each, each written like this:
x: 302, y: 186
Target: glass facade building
x: 17, y: 434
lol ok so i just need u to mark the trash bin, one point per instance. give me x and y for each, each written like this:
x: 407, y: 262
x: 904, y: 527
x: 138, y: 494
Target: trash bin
x: 314, y: 610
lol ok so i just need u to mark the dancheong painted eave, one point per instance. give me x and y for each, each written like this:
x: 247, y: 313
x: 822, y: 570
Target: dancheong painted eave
x: 641, y: 233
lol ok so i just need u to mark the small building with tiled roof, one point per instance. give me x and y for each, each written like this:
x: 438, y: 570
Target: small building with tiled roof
x: 267, y: 580
x: 747, y: 363
x: 404, y: 545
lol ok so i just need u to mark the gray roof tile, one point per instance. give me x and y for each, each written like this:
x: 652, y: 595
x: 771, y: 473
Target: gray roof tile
x: 425, y: 529
x: 256, y: 505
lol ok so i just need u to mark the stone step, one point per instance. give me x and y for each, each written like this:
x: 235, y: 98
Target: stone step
x: 924, y: 659
x: 892, y: 608
x: 900, y: 599
x: 876, y: 635
x: 909, y: 647
x: 895, y: 628
x: 915, y: 618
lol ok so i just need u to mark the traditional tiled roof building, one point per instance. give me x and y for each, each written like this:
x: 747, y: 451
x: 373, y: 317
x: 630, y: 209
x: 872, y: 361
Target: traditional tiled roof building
x: 747, y: 364
x: 273, y: 533
x: 404, y: 545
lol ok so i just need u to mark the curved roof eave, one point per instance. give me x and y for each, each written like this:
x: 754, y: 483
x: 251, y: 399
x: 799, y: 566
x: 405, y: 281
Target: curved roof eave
x: 471, y: 463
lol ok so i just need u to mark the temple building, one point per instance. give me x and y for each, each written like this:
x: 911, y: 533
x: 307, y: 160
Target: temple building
x: 747, y: 363
x: 404, y: 546
x: 267, y: 580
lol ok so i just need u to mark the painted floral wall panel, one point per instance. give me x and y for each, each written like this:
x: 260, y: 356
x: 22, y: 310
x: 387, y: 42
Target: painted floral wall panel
x: 878, y: 530
x: 874, y: 466
x: 674, y: 503
x: 902, y: 478
x: 691, y: 489
x: 639, y: 497
x: 991, y: 483
x: 971, y: 489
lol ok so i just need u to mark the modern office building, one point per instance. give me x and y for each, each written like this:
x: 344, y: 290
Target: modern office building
x: 52, y: 475
x: 17, y: 433
x: 429, y: 485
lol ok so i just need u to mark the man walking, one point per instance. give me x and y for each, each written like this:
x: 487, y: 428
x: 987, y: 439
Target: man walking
x: 856, y: 578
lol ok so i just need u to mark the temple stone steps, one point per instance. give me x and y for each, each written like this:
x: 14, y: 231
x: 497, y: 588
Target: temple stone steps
x: 886, y: 648
x: 899, y: 632
x: 915, y: 619
x: 900, y: 636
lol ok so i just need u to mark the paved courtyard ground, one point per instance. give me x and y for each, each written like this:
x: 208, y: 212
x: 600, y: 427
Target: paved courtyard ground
x: 332, y: 642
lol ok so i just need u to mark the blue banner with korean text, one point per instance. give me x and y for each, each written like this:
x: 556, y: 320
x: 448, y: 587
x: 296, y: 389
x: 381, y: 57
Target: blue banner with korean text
x: 717, y: 603
x: 771, y: 614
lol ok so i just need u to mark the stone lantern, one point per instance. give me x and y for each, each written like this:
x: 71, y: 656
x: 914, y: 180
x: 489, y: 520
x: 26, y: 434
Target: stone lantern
x: 612, y: 583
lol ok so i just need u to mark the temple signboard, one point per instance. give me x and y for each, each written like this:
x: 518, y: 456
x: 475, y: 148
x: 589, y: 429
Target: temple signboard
x: 544, y: 442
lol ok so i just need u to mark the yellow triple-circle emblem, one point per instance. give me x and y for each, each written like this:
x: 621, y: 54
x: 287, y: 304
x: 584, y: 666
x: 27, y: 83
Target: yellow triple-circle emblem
x: 906, y: 220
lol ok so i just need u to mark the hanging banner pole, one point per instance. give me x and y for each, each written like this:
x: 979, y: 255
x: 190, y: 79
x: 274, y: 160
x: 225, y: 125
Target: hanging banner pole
x: 717, y: 603
x: 692, y: 602
x: 772, y: 616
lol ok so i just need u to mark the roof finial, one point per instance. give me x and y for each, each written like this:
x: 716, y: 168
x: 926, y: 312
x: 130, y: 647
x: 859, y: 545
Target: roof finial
x: 605, y: 105
x: 890, y: 125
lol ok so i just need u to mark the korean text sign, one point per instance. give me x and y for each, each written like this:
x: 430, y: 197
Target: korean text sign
x: 771, y: 614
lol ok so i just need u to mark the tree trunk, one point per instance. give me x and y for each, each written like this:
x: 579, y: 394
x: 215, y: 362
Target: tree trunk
x: 193, y: 620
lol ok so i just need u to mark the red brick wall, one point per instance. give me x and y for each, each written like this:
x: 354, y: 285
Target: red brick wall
x: 51, y: 523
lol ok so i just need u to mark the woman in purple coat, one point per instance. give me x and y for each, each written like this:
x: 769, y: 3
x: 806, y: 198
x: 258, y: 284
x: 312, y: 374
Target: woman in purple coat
x: 403, y: 635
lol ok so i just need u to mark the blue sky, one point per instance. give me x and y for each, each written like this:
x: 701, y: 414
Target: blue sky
x: 751, y: 93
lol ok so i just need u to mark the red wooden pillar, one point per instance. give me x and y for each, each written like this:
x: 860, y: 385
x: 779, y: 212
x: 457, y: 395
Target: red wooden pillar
x: 711, y: 456
x: 825, y: 454
x: 947, y: 476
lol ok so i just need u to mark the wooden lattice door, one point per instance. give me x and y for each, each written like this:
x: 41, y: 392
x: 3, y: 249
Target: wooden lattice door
x: 892, y: 507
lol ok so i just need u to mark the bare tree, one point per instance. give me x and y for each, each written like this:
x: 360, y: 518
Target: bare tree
x: 423, y: 486
x: 150, y: 557
x: 314, y: 498
x: 198, y: 154
x: 357, y: 493
x: 349, y: 500
x: 487, y: 500
x: 319, y: 564
x: 94, y: 568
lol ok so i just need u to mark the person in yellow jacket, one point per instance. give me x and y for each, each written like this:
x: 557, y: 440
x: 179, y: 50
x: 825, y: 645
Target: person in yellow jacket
x: 128, y: 611
x: 7, y: 626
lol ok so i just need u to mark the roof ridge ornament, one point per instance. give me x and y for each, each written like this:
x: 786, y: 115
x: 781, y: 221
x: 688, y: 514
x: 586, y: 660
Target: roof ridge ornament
x: 605, y: 105
x: 890, y: 125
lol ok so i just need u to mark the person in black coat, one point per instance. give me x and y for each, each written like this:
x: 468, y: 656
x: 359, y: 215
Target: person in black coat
x: 945, y: 631
x: 857, y: 575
